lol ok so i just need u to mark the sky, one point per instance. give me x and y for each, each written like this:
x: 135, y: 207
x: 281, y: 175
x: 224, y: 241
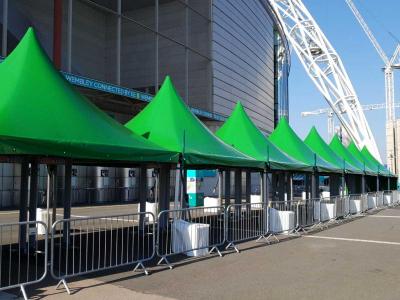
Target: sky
x: 362, y: 62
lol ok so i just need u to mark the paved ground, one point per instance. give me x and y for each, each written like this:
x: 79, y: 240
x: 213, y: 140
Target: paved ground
x: 356, y: 260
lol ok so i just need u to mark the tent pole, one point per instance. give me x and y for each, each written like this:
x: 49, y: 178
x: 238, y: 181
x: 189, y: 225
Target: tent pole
x: 142, y: 195
x: 184, y: 196
x: 33, y: 197
x: 281, y: 186
x: 314, y: 185
x: 177, y: 186
x: 265, y: 196
x: 227, y: 187
x: 248, y: 186
x: 363, y: 189
x: 23, y: 203
x: 377, y: 183
x: 54, y: 192
x: 238, y: 186
x: 220, y: 185
x: 67, y: 199
x: 164, y: 182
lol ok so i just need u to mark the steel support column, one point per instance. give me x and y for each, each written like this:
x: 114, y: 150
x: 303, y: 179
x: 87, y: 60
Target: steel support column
x: 57, y: 33
x: 5, y: 29
x: 118, y: 44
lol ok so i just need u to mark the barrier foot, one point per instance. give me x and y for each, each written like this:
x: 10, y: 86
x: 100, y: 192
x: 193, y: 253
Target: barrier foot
x: 140, y: 266
x: 272, y: 235
x: 232, y: 245
x: 262, y: 237
x: 216, y: 250
x: 299, y: 230
x: 23, y: 292
x: 64, y: 283
x: 163, y: 258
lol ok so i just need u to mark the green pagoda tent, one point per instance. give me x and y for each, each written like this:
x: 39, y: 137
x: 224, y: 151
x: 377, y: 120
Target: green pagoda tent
x: 321, y: 148
x: 382, y: 169
x: 241, y: 133
x: 168, y: 122
x: 42, y: 115
x: 337, y: 146
x: 287, y: 140
x: 353, y: 149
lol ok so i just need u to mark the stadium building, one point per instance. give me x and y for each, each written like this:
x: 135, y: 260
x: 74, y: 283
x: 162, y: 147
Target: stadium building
x: 117, y: 53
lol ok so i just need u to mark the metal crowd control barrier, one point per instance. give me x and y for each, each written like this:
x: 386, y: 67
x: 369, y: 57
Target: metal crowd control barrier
x: 387, y: 198
x: 357, y: 204
x: 23, y: 255
x: 192, y: 231
x: 305, y: 214
x: 85, y: 245
x: 372, y: 200
x: 245, y: 222
x: 282, y: 218
x: 379, y: 199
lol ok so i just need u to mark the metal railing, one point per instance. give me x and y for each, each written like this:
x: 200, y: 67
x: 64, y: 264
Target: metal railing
x: 85, y: 245
x: 305, y: 214
x: 23, y: 255
x: 244, y: 222
x: 191, y: 231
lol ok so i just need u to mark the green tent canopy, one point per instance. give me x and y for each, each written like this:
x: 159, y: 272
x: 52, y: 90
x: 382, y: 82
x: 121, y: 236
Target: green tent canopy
x: 42, y: 115
x: 337, y: 146
x: 241, y: 133
x: 353, y: 149
x: 382, y: 169
x: 168, y: 122
x: 321, y: 148
x: 287, y: 140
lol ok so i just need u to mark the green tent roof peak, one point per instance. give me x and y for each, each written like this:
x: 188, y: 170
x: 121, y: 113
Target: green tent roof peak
x: 168, y: 122
x: 239, y: 131
x: 43, y: 115
x: 337, y: 146
x: 382, y: 169
x: 319, y: 146
x: 353, y: 149
x: 288, y: 141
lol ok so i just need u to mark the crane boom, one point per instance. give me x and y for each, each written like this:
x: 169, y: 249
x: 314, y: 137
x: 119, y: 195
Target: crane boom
x: 368, y: 32
x: 325, y: 68
x: 364, y: 107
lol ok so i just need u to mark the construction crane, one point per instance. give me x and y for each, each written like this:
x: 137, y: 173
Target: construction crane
x: 329, y: 113
x: 325, y: 68
x: 390, y: 65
